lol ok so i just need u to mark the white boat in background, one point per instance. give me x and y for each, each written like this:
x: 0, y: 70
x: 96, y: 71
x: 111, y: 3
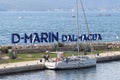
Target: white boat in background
x: 20, y: 17
x: 72, y: 62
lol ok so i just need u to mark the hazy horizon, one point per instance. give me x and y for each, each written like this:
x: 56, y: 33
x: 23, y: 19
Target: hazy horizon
x: 44, y: 5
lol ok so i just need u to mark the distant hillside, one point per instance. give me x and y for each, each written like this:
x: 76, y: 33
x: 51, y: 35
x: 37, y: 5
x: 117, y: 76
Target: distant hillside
x: 38, y: 5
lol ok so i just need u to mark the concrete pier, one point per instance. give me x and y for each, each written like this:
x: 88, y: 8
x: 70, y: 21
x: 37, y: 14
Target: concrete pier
x: 108, y: 56
x: 36, y: 65
x: 20, y: 67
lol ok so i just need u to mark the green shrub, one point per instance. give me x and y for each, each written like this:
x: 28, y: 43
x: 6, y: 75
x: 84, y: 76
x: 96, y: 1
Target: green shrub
x: 12, y: 55
x: 4, y: 50
x: 60, y: 44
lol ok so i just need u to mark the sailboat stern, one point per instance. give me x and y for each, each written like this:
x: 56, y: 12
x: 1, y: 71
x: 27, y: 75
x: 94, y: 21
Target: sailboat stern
x: 50, y: 65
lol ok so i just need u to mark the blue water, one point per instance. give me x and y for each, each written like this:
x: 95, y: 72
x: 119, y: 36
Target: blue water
x: 62, y: 22
x: 103, y: 71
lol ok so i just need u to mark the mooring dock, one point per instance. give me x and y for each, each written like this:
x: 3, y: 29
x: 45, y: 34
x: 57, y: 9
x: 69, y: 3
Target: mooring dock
x: 36, y: 65
x: 21, y: 66
x: 108, y: 56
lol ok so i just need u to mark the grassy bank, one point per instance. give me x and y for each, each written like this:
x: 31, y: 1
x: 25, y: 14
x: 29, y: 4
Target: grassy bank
x: 36, y: 56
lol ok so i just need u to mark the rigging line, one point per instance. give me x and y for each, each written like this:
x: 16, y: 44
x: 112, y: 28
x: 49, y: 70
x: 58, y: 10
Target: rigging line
x: 82, y: 45
x: 86, y: 22
x: 85, y: 16
x: 77, y: 28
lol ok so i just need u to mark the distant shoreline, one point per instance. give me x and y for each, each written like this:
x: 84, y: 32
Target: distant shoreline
x: 60, y: 46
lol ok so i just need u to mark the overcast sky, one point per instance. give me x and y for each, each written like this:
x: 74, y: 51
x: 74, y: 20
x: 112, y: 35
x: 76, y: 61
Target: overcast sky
x: 38, y: 5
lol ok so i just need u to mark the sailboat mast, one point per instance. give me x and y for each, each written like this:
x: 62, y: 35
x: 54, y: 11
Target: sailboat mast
x: 86, y: 24
x: 77, y: 26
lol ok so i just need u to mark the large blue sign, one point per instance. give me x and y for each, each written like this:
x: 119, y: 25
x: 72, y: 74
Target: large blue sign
x: 52, y: 37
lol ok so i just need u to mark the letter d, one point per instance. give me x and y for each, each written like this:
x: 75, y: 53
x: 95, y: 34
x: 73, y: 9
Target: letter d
x: 15, y: 38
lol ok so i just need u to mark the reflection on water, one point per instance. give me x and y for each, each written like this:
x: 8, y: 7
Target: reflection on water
x: 74, y: 74
x: 103, y: 71
x: 69, y: 74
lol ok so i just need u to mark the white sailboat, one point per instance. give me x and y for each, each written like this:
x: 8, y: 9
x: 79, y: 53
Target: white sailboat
x: 71, y: 62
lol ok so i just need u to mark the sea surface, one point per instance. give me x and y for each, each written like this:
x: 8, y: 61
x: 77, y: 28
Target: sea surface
x: 104, y: 23
x: 103, y: 71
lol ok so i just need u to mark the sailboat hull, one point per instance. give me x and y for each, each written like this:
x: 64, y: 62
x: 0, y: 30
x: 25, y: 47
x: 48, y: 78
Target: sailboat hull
x: 72, y: 64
